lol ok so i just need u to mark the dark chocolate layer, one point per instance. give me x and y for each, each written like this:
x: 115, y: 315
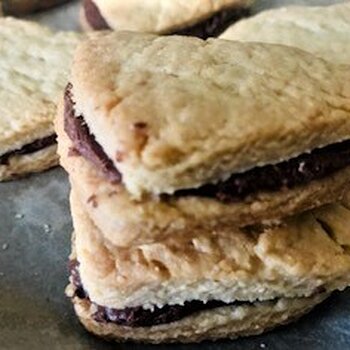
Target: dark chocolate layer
x: 210, y: 27
x: 35, y: 146
x: 288, y: 174
x: 137, y: 316
x: 215, y: 25
x: 84, y: 142
x: 93, y: 16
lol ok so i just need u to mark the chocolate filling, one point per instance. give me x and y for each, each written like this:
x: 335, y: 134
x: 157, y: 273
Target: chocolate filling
x: 285, y: 175
x: 288, y: 174
x: 35, y: 146
x: 215, y: 25
x: 210, y: 27
x: 84, y: 142
x: 137, y: 316
x: 93, y: 16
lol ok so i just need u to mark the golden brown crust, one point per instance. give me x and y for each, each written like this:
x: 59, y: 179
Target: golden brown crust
x: 227, y: 322
x: 323, y: 31
x: 270, y: 103
x: 161, y: 16
x: 132, y: 222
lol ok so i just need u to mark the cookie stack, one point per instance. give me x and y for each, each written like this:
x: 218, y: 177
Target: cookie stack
x: 208, y: 182
x: 34, y: 65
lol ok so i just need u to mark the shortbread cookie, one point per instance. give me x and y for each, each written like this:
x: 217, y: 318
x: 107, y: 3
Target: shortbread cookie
x: 273, y: 118
x: 130, y: 222
x: 184, y: 17
x: 323, y: 31
x: 300, y: 257
x: 225, y: 322
x: 268, y: 110
x: 21, y: 7
x: 206, y: 280
x: 34, y: 63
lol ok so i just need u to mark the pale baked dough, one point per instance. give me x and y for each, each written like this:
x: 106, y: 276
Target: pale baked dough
x: 161, y: 16
x: 227, y: 322
x: 323, y: 31
x: 20, y: 165
x: 128, y: 221
x: 307, y: 254
x: 34, y: 64
x: 207, y: 108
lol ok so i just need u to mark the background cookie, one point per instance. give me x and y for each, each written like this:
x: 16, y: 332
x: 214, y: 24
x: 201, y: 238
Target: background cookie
x: 21, y: 7
x: 34, y: 63
x: 196, y: 18
x: 323, y: 31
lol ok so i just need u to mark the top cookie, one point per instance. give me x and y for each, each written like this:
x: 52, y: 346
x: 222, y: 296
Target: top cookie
x: 194, y: 17
x: 176, y: 113
x: 34, y: 65
x: 324, y: 31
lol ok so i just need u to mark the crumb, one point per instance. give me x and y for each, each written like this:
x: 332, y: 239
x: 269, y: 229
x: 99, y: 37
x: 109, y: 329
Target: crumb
x: 263, y: 345
x: 19, y: 216
x: 5, y: 246
x: 47, y: 228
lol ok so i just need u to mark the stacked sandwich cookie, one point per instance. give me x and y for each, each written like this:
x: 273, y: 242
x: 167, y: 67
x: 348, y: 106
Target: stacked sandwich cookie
x: 208, y: 182
x: 183, y: 17
x: 34, y: 68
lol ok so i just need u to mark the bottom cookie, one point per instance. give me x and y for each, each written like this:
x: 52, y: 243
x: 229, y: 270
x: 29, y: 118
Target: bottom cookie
x: 21, y: 165
x: 228, y: 322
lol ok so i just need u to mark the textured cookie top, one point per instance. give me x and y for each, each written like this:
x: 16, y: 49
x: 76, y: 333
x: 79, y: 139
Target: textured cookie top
x: 308, y: 254
x: 176, y: 112
x: 161, y: 16
x: 324, y: 31
x: 34, y: 64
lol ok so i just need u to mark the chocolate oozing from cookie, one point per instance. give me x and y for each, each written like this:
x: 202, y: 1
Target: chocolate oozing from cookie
x: 33, y: 147
x: 210, y: 27
x: 214, y: 25
x: 288, y: 174
x: 84, y: 142
x: 140, y: 317
x: 137, y: 316
x: 93, y: 16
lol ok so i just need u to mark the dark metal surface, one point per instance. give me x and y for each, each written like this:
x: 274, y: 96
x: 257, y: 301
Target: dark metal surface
x: 35, y: 229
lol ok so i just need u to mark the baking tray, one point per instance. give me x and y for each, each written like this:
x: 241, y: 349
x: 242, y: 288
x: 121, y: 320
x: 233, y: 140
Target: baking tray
x: 35, y: 229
